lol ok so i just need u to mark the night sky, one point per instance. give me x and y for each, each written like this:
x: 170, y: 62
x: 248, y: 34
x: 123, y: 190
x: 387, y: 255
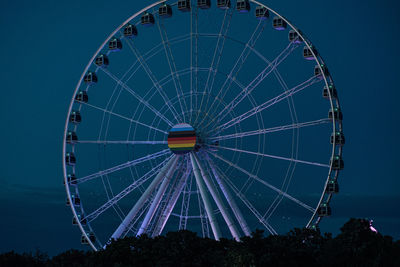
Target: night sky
x: 46, y: 45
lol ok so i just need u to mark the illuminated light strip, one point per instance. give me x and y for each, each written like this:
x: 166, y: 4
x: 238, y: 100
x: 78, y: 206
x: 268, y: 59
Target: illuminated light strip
x: 187, y: 145
x: 185, y: 129
x: 182, y: 138
x: 193, y: 140
x: 182, y: 142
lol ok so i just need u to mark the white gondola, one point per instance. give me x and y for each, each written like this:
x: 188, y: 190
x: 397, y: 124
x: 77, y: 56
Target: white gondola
x: 330, y: 89
x: 101, y: 60
x: 76, y: 200
x: 332, y: 187
x: 71, y: 179
x: 90, y: 77
x: 262, y: 12
x: 294, y: 37
x: 81, y: 219
x: 337, y: 163
x: 165, y: 11
x: 82, y: 97
x: 338, y: 138
x: 147, y: 19
x: 70, y: 159
x: 308, y: 53
x: 72, y: 138
x: 243, y: 6
x: 184, y: 5
x: 75, y: 117
x: 320, y: 70
x: 324, y: 210
x: 130, y: 31
x: 279, y: 24
x: 115, y: 44
x: 223, y: 4
x: 335, y: 113
x: 91, y: 237
x: 204, y: 4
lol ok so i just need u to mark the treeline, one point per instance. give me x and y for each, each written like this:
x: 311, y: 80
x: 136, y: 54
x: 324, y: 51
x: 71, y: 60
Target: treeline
x: 356, y: 245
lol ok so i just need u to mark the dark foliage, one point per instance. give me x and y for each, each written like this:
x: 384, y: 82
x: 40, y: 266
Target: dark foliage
x: 356, y: 245
x: 12, y: 259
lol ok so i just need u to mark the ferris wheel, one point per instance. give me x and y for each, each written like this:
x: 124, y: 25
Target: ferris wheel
x: 218, y: 117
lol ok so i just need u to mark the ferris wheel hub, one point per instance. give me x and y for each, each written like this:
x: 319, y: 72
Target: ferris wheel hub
x: 182, y: 138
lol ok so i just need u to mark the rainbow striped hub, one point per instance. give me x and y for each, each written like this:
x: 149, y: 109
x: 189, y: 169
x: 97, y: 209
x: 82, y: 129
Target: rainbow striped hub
x: 181, y: 138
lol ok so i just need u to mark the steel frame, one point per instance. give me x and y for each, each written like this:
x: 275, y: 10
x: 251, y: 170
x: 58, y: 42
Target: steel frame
x: 203, y: 180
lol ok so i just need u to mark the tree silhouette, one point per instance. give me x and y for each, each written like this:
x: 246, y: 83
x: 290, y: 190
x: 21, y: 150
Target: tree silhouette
x: 356, y: 245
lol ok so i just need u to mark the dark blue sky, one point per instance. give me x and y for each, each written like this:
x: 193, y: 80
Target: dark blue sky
x: 46, y: 45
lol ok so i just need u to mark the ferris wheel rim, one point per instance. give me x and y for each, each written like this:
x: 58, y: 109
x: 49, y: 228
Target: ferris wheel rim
x: 306, y: 42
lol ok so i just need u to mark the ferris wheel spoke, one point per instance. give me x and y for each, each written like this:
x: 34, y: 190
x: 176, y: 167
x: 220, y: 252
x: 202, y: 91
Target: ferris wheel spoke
x: 191, y: 63
x: 157, y: 199
x: 274, y: 156
x: 137, y: 96
x: 271, y: 130
x: 172, y: 65
x: 221, y: 206
x: 248, y: 204
x: 238, y: 65
x: 255, y: 177
x: 186, y: 193
x: 125, y: 118
x: 231, y: 201
x: 145, y: 196
x: 255, y: 82
x: 125, y: 142
x: 123, y: 166
x: 204, y: 196
x: 267, y: 104
x: 185, y: 71
x: 194, y: 26
x: 218, y: 51
x: 153, y: 79
x: 93, y: 215
x: 171, y: 203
